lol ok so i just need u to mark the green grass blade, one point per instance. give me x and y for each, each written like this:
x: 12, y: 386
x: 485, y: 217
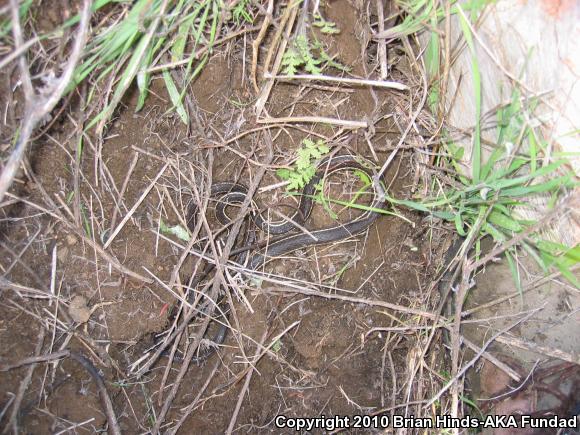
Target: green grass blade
x: 514, y: 270
x: 175, y: 97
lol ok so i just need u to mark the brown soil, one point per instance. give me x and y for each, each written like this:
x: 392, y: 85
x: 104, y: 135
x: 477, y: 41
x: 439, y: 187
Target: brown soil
x: 328, y: 365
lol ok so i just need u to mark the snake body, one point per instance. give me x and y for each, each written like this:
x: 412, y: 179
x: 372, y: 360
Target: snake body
x: 229, y: 193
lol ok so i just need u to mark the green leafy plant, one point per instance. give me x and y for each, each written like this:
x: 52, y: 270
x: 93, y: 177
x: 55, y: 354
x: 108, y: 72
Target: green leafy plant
x: 304, y: 168
x: 176, y: 230
x: 305, y: 51
x: 277, y: 346
x: 299, y: 55
x: 307, y: 55
x: 326, y: 27
x: 505, y: 181
x: 489, y: 204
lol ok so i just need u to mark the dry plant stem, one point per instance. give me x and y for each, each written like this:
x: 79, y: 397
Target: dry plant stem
x: 314, y: 120
x: 203, y: 50
x: 245, y: 388
x: 37, y: 106
x: 20, y: 289
x: 543, y: 350
x: 258, y: 41
x: 407, y: 130
x: 279, y: 31
x: 18, y: 260
x: 198, y: 225
x: 193, y: 404
x: 180, y: 330
x: 267, y: 88
x: 114, y: 263
x: 456, y: 337
x: 135, y: 206
x: 220, y: 270
x: 114, y: 427
x: 213, y: 293
x: 79, y: 232
x: 381, y: 43
x: 342, y: 80
x: 35, y: 360
x: 459, y: 300
x: 466, y: 367
x: 202, y: 207
x: 289, y: 287
x: 492, y: 359
x: 116, y: 210
x: 530, y: 286
x: 297, y: 289
x: 19, y: 51
x: 190, y: 315
x: 19, y: 42
x: 13, y: 420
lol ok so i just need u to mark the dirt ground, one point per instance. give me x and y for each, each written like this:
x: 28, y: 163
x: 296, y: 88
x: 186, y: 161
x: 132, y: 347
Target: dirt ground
x: 327, y: 363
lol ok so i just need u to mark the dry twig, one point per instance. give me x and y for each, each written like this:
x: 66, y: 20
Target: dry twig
x: 38, y: 105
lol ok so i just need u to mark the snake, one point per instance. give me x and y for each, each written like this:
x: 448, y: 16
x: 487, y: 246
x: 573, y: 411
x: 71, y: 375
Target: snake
x: 283, y: 235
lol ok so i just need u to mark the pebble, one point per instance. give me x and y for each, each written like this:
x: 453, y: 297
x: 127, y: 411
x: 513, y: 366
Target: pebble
x: 78, y: 309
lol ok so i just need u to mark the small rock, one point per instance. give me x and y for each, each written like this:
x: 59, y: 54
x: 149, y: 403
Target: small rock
x: 78, y: 309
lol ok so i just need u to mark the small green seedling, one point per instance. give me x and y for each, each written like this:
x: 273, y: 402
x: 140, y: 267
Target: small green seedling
x: 277, y: 346
x: 325, y: 26
x: 304, y: 168
x: 176, y: 230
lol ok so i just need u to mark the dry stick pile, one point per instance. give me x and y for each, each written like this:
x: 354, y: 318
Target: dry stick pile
x: 421, y: 386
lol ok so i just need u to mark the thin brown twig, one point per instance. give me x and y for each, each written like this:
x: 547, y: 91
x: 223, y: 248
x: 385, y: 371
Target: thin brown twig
x: 193, y: 404
x: 117, y: 210
x: 35, y: 360
x: 135, y: 206
x: 203, y: 50
x: 216, y: 285
x: 244, y: 389
x: 492, y: 359
x: 343, y: 80
x: 287, y: 22
x: 382, y: 43
x: 466, y: 367
x: 258, y: 41
x: 37, y: 106
x: 314, y: 120
x: 13, y: 420
x: 551, y: 352
x: 350, y: 299
x: 19, y: 42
